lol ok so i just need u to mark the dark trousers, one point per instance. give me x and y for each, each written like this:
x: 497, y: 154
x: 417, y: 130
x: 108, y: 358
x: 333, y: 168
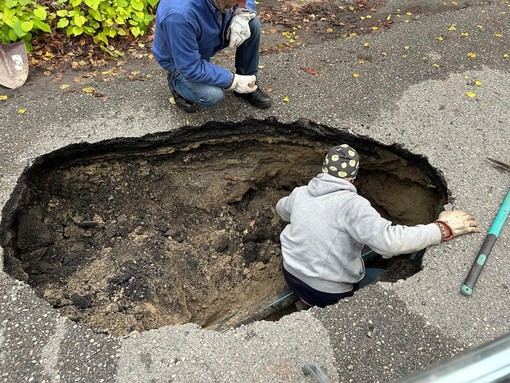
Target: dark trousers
x: 310, y: 295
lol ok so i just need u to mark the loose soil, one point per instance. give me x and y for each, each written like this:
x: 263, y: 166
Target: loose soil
x: 136, y: 241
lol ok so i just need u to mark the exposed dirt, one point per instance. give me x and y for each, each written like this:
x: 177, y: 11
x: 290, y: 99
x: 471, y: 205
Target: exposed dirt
x: 125, y: 242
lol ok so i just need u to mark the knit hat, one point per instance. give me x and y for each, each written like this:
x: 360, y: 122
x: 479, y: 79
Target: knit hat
x: 342, y: 161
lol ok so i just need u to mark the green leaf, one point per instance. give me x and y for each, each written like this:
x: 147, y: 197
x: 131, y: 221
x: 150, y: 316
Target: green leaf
x: 10, y: 17
x: 135, y: 31
x: 92, y: 3
x: 152, y: 3
x: 75, y: 3
x: 11, y: 3
x: 96, y: 14
x: 122, y: 3
x: 12, y: 35
x: 79, y: 20
x: 101, y: 37
x: 62, y: 13
x: 136, y: 4
x: 62, y: 23
x: 77, y: 30
x: 16, y: 27
x: 27, y: 26
x: 40, y: 13
x: 42, y: 26
x: 89, y: 30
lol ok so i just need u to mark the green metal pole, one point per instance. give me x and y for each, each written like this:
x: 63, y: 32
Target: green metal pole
x: 488, y: 243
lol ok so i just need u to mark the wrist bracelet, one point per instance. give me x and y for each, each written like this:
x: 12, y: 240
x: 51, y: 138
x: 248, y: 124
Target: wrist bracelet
x: 441, y: 230
x: 444, y: 237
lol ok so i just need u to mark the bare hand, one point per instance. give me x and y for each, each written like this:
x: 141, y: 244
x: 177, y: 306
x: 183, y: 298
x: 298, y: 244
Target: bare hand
x: 459, y: 222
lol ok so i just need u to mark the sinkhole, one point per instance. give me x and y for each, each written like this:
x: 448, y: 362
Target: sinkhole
x: 177, y: 227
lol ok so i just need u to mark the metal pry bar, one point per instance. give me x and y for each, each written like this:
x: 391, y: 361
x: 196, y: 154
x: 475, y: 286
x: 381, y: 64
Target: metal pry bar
x: 314, y: 370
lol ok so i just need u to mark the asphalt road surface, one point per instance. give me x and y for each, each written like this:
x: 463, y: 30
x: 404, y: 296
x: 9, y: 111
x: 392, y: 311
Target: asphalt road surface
x: 437, y: 86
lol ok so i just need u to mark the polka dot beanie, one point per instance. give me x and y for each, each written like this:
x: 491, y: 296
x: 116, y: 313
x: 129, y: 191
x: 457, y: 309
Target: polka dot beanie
x: 342, y: 161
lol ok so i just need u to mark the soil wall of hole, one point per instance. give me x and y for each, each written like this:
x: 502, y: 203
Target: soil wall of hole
x: 178, y: 227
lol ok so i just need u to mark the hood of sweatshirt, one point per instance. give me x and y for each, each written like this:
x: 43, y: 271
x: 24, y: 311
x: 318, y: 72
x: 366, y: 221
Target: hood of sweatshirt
x: 325, y: 183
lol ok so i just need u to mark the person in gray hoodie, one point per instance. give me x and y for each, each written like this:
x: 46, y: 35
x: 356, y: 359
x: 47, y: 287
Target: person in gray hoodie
x: 329, y: 223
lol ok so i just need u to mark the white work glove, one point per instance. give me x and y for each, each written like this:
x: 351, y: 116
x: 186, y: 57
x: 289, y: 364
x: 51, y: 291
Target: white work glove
x: 239, y: 30
x: 243, y: 84
x: 457, y: 222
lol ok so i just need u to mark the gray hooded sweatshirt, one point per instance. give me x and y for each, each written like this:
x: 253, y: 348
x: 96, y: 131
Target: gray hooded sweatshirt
x: 328, y: 225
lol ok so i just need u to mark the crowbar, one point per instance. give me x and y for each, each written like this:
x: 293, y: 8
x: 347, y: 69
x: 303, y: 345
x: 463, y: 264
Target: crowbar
x: 314, y: 370
x: 488, y: 243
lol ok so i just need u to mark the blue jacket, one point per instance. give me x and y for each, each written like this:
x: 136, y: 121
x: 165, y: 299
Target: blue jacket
x: 188, y: 33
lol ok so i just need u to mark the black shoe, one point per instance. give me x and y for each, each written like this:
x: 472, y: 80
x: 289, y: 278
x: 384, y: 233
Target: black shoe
x: 182, y: 103
x: 259, y: 98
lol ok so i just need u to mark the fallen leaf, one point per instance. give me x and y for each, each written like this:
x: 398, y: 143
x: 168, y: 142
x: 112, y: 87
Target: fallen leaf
x: 355, y: 75
x: 3, y: 97
x: 498, y: 35
x: 21, y: 111
x: 471, y: 55
x: 471, y: 94
x: 89, y: 89
x: 64, y: 86
x: 285, y: 99
x: 310, y: 70
x: 440, y: 38
x: 453, y: 27
x: 478, y: 83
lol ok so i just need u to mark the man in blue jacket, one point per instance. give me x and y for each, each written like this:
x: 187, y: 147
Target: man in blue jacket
x: 329, y: 223
x: 189, y: 32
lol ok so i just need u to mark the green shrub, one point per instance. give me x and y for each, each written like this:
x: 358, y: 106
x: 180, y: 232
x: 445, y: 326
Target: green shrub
x: 103, y: 20
x: 21, y: 19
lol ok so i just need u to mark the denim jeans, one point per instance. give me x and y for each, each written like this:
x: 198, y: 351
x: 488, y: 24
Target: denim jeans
x: 246, y: 63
